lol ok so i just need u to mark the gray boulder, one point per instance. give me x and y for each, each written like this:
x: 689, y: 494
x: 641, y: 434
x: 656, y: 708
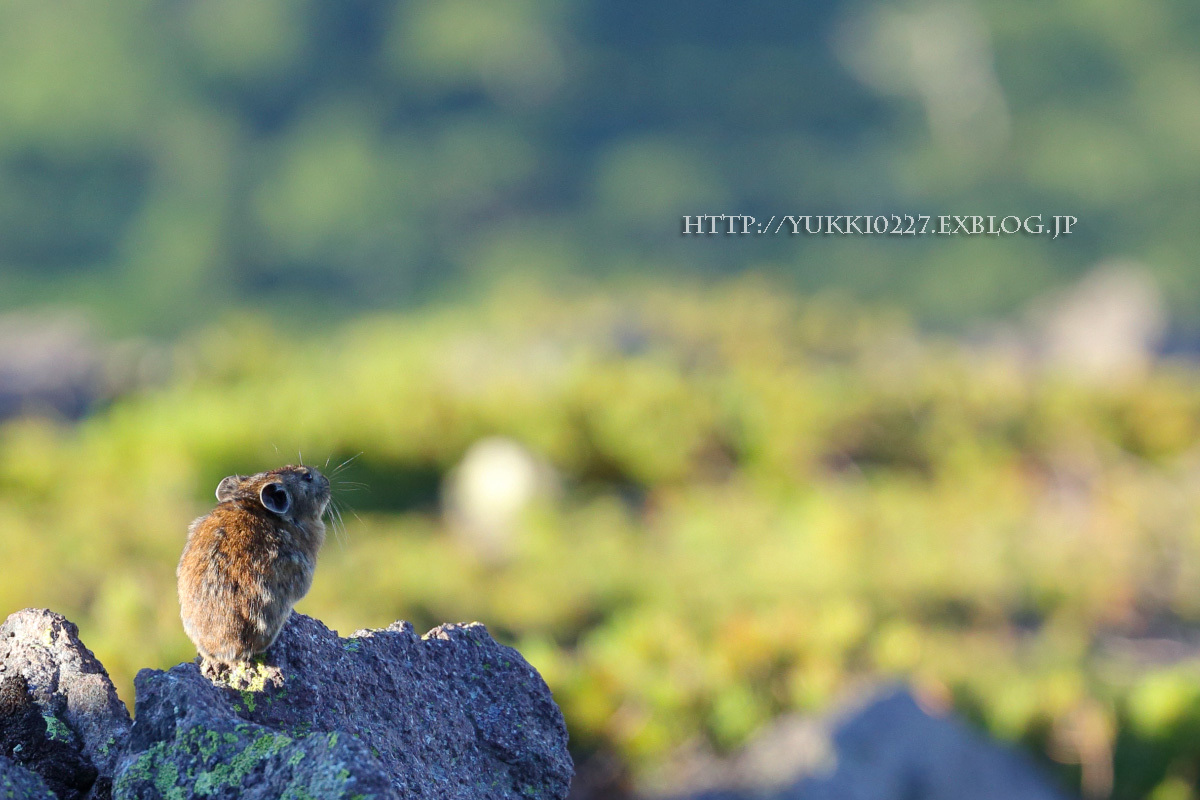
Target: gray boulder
x: 383, y: 713
x: 893, y: 750
x: 60, y: 716
x: 887, y: 749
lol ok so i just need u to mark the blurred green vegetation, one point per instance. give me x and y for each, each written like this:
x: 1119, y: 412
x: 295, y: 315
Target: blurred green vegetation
x: 765, y: 501
x: 159, y: 158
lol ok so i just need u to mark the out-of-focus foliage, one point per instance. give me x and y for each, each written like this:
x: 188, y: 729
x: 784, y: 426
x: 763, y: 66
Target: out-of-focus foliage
x: 763, y: 502
x: 160, y: 157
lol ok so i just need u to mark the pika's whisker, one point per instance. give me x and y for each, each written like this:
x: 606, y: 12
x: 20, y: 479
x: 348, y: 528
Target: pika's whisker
x: 345, y: 463
x: 338, y: 524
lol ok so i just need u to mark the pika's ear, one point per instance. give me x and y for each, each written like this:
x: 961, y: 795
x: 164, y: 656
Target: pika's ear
x: 227, y: 487
x: 275, y: 498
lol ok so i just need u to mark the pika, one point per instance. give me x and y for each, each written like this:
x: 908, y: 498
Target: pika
x: 249, y: 561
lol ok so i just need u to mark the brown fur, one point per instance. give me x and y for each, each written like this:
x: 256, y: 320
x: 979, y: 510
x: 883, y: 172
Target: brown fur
x: 245, y: 564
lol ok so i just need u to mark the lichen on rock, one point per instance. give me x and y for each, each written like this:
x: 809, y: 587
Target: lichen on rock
x: 250, y: 761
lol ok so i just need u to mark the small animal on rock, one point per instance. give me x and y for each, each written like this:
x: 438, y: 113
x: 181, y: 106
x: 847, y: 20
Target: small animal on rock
x: 250, y: 560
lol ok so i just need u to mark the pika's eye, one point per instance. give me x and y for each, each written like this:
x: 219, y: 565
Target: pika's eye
x: 308, y: 477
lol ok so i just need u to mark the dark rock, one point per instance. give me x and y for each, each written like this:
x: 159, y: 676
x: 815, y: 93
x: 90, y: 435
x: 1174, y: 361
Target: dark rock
x: 45, y: 671
x: 20, y: 784
x: 889, y: 749
x: 24, y: 738
x: 384, y: 713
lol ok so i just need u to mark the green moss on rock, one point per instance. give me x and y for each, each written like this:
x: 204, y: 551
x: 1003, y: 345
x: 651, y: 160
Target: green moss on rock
x: 57, y: 730
x: 202, y: 763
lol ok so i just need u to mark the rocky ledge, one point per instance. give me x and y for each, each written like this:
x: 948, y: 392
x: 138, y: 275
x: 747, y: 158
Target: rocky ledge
x: 383, y: 713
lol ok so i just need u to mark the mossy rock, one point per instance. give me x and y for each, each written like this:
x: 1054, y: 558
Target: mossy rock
x: 452, y: 715
x: 251, y: 761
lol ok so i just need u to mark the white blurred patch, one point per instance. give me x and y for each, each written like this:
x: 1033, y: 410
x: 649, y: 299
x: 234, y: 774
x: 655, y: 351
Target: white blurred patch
x: 941, y: 54
x: 1107, y: 327
x: 485, y: 496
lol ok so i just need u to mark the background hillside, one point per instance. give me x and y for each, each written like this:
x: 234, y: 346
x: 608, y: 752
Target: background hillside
x: 159, y: 158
